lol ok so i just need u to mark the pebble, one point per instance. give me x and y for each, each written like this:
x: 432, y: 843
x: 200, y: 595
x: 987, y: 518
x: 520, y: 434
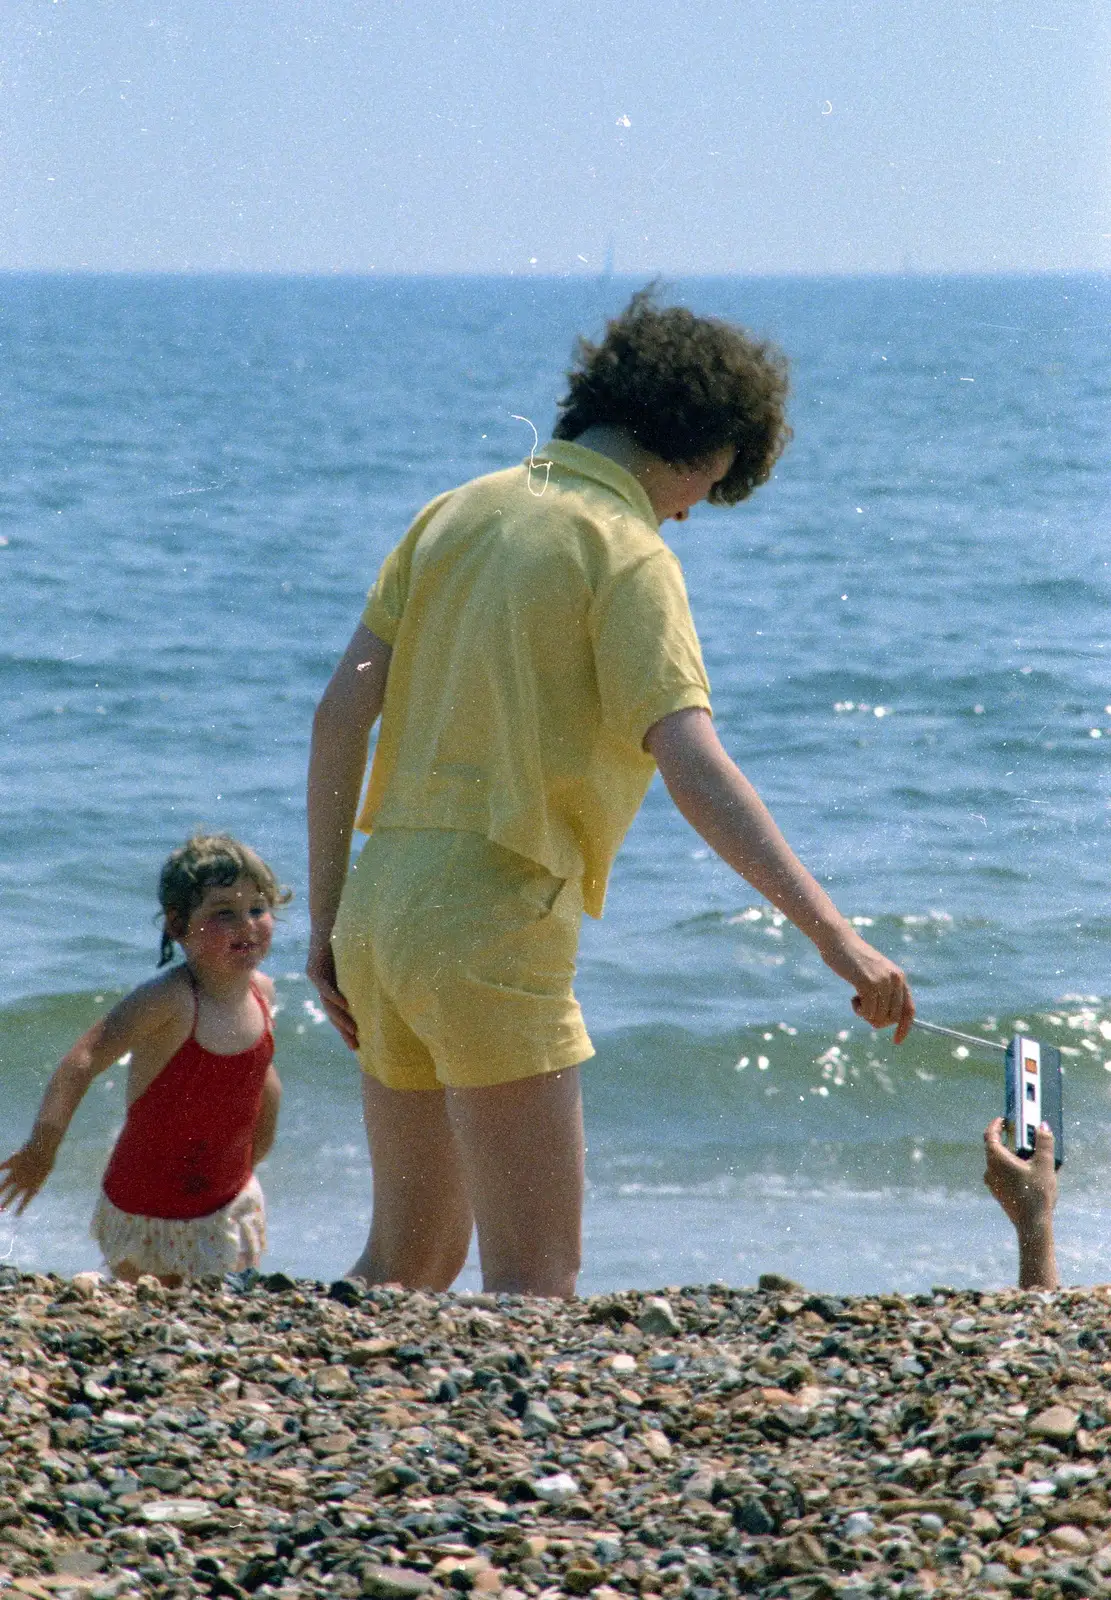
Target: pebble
x: 658, y: 1317
x: 270, y: 1437
x: 558, y: 1490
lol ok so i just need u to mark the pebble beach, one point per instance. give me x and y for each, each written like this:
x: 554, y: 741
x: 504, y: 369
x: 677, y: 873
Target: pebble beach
x: 270, y: 1436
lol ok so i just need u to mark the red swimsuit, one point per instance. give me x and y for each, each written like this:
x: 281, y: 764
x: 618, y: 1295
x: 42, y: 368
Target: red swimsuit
x: 186, y: 1146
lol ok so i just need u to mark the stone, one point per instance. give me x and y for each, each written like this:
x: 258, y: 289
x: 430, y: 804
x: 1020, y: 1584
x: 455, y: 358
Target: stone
x: 582, y: 1576
x: 1069, y: 1538
x: 539, y: 1418
x: 332, y: 1383
x: 89, y: 1494
x: 701, y: 1484
x: 364, y: 1351
x: 86, y: 1284
x: 1057, y: 1424
x: 125, y: 1421
x: 166, y: 1479
x: 191, y: 1444
x: 557, y: 1489
x: 394, y: 1583
x: 78, y: 1562
x: 751, y: 1515
x: 278, y: 1282
x: 657, y: 1317
x: 179, y: 1513
x: 798, y: 1554
x: 657, y: 1444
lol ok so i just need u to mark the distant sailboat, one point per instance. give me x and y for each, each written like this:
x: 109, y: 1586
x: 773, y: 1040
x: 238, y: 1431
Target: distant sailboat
x: 607, y: 268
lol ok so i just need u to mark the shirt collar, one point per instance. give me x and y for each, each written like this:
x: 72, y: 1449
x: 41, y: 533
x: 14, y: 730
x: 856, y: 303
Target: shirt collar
x: 591, y: 464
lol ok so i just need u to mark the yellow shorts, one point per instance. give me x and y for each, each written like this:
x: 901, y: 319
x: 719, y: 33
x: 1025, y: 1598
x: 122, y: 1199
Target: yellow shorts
x: 457, y: 959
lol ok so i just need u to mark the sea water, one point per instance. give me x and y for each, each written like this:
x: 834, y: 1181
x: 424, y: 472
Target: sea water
x: 907, y: 636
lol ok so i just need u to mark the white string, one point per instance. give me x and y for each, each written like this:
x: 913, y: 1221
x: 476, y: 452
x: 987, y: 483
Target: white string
x: 537, y: 494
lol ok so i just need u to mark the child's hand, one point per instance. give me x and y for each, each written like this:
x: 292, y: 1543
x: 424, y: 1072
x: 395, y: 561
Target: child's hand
x: 1027, y: 1190
x: 23, y: 1176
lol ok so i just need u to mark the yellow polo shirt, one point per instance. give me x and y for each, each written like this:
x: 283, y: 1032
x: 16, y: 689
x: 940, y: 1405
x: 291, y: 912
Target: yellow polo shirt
x: 539, y: 626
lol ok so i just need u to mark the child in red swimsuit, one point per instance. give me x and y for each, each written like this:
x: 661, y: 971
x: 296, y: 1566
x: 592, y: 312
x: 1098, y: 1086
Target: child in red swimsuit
x: 180, y: 1198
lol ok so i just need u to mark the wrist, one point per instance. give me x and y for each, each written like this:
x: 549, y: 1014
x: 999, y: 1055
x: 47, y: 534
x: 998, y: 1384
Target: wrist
x: 44, y: 1141
x: 1034, y: 1226
x: 836, y: 938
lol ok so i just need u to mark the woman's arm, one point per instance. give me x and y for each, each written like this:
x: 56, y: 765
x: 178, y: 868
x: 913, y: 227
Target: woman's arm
x: 341, y: 728
x: 721, y: 805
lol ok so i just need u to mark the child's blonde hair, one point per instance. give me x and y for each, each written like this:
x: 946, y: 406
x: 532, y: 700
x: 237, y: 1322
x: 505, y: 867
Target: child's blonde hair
x: 205, y: 860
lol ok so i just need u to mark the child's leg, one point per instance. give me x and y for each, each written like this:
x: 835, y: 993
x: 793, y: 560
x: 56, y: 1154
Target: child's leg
x: 421, y: 1224
x: 521, y: 1149
x: 128, y: 1272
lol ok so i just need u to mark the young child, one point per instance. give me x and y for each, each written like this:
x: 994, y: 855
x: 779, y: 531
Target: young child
x: 179, y: 1197
x: 530, y: 650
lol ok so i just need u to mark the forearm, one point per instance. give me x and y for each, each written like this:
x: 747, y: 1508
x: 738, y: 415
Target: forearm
x: 264, y: 1143
x: 719, y: 802
x: 723, y: 807
x: 63, y: 1095
x: 349, y: 708
x: 1027, y: 1192
x: 267, y: 1125
x: 336, y: 766
x: 1037, y: 1258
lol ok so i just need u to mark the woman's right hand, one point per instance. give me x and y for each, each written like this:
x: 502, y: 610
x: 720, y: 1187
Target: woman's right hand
x: 321, y: 970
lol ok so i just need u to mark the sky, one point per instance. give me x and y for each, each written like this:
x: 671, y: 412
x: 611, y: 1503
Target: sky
x: 417, y: 136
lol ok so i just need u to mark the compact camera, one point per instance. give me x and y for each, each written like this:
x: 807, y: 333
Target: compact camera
x: 1033, y: 1095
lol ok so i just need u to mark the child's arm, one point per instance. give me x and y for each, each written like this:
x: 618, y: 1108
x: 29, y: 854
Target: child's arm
x: 267, y: 1125
x: 721, y: 805
x: 341, y: 728
x: 134, y: 1019
x: 1027, y: 1191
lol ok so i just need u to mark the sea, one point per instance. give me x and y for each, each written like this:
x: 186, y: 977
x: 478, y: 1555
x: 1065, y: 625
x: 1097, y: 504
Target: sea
x: 908, y: 633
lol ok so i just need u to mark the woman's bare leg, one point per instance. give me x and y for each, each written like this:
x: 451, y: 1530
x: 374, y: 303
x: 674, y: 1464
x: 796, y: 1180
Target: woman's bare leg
x: 421, y: 1224
x: 521, y: 1150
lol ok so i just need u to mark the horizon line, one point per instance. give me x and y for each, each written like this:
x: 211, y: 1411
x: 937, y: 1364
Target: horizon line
x: 513, y: 276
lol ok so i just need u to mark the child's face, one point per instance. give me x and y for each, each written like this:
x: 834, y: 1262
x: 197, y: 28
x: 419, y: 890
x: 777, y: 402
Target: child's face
x: 231, y: 929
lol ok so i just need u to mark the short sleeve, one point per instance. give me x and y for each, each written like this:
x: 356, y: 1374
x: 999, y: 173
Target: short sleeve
x: 646, y: 652
x: 386, y: 600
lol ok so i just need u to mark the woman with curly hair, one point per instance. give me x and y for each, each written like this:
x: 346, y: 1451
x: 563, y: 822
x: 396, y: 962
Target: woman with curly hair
x: 530, y: 650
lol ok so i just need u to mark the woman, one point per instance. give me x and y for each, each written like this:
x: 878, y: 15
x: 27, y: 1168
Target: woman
x: 530, y: 649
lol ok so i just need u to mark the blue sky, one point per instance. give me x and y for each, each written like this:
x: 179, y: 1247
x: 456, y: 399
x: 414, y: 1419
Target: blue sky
x: 409, y: 136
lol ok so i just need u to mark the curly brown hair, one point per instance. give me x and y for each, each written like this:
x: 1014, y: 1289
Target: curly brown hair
x: 683, y: 387
x: 201, y: 862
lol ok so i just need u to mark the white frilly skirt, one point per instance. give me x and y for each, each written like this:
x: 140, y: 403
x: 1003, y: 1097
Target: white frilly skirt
x: 227, y: 1240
